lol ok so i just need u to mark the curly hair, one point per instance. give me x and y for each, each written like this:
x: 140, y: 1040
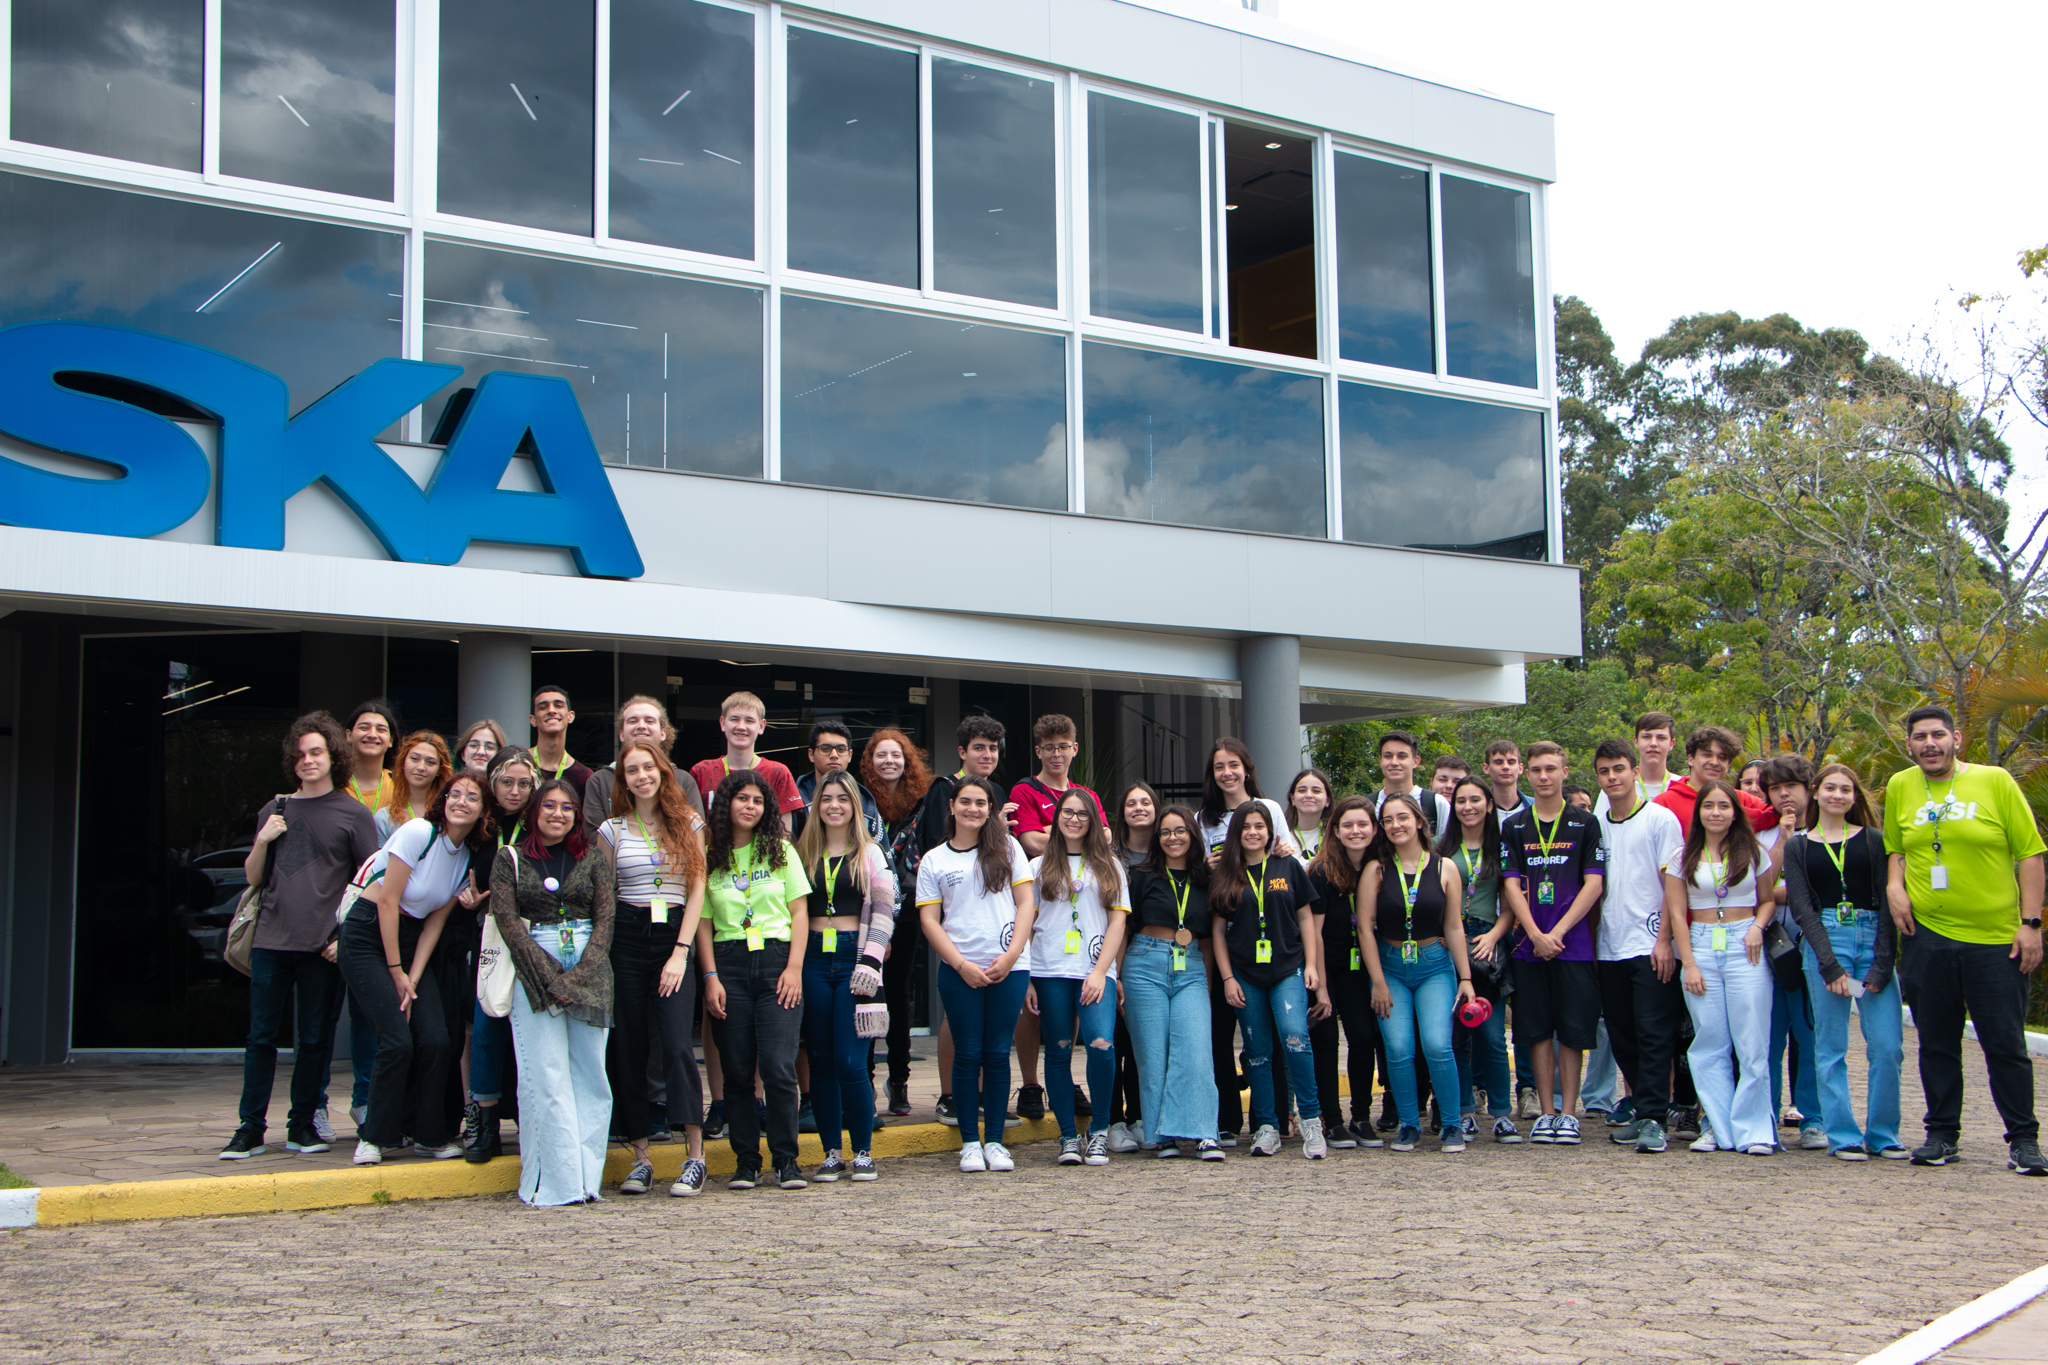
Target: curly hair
x: 673, y: 815
x: 908, y: 792
x: 769, y: 836
x: 323, y: 724
x: 484, y: 836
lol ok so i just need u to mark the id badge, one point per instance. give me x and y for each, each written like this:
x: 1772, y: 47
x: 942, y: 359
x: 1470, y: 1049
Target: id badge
x: 1937, y: 877
x: 831, y: 939
x: 657, y: 911
x: 754, y: 937
x: 568, y: 937
x: 1411, y: 951
x: 1357, y: 963
x: 1180, y: 959
x: 1845, y: 914
x: 1720, y: 940
x: 1546, y: 893
x: 1262, y: 951
x: 1073, y: 941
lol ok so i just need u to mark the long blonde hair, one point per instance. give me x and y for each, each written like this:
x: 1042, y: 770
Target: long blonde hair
x: 810, y: 845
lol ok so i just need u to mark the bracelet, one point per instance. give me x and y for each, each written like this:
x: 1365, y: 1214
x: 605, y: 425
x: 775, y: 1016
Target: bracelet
x: 396, y: 966
x: 1230, y: 978
x: 1464, y: 980
x: 709, y: 975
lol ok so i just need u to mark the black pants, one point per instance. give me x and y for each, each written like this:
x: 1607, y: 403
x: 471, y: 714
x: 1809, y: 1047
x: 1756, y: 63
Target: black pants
x: 640, y: 949
x: 758, y: 1033
x: 1124, y: 1104
x: 1350, y: 1007
x: 409, y: 1085
x: 1223, y: 1056
x: 1949, y: 977
x: 905, y: 956
x: 277, y: 979
x: 1643, y: 1017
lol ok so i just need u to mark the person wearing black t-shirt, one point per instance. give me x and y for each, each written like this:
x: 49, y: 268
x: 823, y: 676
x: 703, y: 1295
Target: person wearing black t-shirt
x: 1352, y: 830
x: 1166, y: 993
x: 1268, y: 953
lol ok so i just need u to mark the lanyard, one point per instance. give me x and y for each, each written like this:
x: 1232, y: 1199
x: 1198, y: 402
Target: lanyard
x: 1933, y: 814
x: 1410, y: 890
x: 1549, y: 841
x: 1838, y: 854
x: 369, y: 802
x: 1258, y: 882
x: 1181, y: 892
x: 561, y: 767
x: 513, y: 837
x: 1472, y: 856
x: 1720, y: 888
x: 1074, y: 899
x: 832, y: 866
x: 1301, y: 840
x: 743, y: 880
x: 654, y: 852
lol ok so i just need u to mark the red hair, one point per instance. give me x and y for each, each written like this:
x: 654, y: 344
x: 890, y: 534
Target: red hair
x: 899, y: 800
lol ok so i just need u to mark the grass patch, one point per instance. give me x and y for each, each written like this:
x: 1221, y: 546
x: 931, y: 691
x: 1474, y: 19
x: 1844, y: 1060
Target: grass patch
x: 10, y: 1181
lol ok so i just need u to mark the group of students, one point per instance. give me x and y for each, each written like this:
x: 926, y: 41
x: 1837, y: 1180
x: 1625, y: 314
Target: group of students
x: 1683, y: 932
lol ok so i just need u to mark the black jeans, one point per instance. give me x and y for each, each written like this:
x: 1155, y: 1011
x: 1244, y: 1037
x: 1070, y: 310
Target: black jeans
x: 1351, y: 1007
x: 1643, y: 1017
x: 1949, y: 977
x: 409, y: 1083
x: 758, y: 1032
x: 273, y: 979
x: 1223, y: 1056
x: 640, y: 949
x: 905, y: 956
x: 1124, y: 1104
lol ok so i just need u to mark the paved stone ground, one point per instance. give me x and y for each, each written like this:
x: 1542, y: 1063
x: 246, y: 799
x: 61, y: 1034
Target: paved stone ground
x: 1523, y: 1254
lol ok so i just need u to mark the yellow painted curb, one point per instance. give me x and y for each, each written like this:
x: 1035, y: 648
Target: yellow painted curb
x: 411, y: 1178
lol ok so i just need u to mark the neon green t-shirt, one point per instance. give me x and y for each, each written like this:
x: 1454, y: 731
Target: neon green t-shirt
x: 1985, y: 827
x: 749, y: 885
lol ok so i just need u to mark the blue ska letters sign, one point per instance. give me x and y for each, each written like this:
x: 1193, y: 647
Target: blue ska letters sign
x: 266, y: 455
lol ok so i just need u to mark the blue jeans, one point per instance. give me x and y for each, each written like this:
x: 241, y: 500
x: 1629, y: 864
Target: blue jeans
x: 1790, y: 1019
x: 1059, y: 1001
x: 274, y: 978
x: 1425, y: 993
x: 1483, y: 1060
x: 362, y: 1053
x: 1598, y: 1083
x: 490, y: 1048
x: 984, y: 1030
x: 1277, y: 1013
x: 1883, y: 1042
x: 836, y: 1050
x: 1168, y: 1014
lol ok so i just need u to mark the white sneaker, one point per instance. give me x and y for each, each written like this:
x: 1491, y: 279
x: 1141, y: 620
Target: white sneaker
x: 1312, y: 1144
x: 972, y: 1158
x: 447, y: 1153
x: 323, y: 1127
x: 997, y: 1156
x: 1812, y: 1138
x: 360, y: 1115
x: 1137, y: 1130
x: 1705, y: 1141
x: 368, y: 1154
x: 1266, y: 1142
x: 1120, y: 1139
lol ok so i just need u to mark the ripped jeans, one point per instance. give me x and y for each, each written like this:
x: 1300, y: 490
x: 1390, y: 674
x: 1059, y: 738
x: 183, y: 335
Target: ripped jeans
x: 1059, y: 1003
x: 1279, y: 1010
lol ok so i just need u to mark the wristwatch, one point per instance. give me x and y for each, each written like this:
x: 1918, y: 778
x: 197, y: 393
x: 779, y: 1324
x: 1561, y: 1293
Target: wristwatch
x: 2033, y: 923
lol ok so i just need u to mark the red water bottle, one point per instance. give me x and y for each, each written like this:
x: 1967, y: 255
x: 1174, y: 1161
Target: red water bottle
x: 1475, y: 1011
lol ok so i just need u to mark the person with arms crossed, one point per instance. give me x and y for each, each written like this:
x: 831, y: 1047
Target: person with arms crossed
x: 1964, y: 886
x: 1553, y: 871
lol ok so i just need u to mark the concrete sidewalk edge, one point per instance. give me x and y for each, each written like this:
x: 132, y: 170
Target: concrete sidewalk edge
x: 279, y: 1191
x: 1973, y: 1317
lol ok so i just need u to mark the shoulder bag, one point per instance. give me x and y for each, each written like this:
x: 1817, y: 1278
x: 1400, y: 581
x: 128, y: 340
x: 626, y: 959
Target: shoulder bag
x: 235, y: 950
x: 495, y: 977
x: 1781, y: 950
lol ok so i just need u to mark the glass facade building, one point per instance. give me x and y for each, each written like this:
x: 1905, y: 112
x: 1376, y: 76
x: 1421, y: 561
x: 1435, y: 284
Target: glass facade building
x: 1148, y: 364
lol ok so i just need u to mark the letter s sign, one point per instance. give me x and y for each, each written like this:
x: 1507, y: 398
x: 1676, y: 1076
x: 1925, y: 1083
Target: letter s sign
x: 267, y: 456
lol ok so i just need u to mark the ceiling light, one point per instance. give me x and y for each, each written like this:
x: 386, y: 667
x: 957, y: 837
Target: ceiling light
x: 1227, y: 208
x: 1272, y: 146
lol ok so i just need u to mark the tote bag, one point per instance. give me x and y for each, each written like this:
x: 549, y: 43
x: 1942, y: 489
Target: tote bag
x: 495, y: 979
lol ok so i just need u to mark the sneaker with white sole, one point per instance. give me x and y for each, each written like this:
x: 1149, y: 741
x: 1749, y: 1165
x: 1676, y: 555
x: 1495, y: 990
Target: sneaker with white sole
x: 998, y: 1157
x: 1313, y: 1145
x: 1070, y: 1151
x: 1454, y: 1139
x: 1119, y: 1138
x: 323, y: 1127
x: 1266, y: 1141
x: 863, y: 1167
x: 1471, y: 1126
x: 1544, y: 1130
x: 1169, y: 1150
x: 972, y: 1157
x: 1504, y: 1131
x: 369, y: 1154
x: 831, y: 1169
x: 1850, y: 1153
x: 1096, y: 1153
x: 1650, y: 1136
x: 1705, y: 1142
x: 1565, y: 1132
x: 1405, y: 1138
x: 1367, y: 1134
x: 1813, y: 1138
x: 638, y: 1179
x: 1760, y: 1149
x: 1209, y: 1149
x: 447, y: 1152
x: 690, y: 1182
x: 1226, y: 1139
x: 1340, y: 1137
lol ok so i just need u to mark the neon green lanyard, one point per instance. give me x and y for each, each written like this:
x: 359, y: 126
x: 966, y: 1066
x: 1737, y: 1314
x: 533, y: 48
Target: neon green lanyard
x: 654, y: 852
x: 1259, y: 890
x: 1470, y: 867
x: 1838, y: 854
x: 743, y: 879
x: 832, y: 866
x: 1410, y: 890
x: 1180, y: 896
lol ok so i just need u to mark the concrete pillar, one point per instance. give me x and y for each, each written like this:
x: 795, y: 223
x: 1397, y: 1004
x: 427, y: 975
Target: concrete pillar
x: 494, y: 679
x: 1269, y: 670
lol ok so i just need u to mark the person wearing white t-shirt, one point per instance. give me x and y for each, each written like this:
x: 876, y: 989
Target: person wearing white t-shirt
x: 1231, y: 781
x: 386, y: 955
x: 1641, y: 999
x: 1399, y: 754
x: 1656, y: 735
x: 975, y: 901
x: 1084, y: 907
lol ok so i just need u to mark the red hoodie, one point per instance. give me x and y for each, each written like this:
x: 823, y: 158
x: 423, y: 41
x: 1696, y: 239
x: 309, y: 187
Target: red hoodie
x: 1679, y: 798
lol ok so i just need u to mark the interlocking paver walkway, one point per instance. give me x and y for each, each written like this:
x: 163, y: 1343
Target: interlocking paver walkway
x: 1501, y: 1255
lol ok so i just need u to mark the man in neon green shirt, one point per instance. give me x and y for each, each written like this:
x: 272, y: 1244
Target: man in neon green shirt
x: 1965, y: 887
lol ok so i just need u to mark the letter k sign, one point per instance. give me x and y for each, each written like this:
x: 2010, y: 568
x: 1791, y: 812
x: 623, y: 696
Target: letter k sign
x: 266, y: 456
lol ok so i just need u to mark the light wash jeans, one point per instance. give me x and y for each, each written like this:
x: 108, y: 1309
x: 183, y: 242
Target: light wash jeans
x: 1600, y: 1080
x: 1790, y: 1021
x: 1883, y: 1041
x: 565, y: 1101
x: 1425, y: 994
x: 1168, y: 1015
x: 1277, y: 1014
x: 1731, y: 1024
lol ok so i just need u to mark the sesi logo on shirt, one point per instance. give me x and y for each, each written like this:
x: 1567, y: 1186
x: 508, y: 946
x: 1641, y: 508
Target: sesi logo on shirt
x: 1952, y: 809
x: 1009, y: 932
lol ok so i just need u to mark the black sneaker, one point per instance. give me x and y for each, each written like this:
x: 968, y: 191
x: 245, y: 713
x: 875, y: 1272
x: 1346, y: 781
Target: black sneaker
x: 246, y: 1142
x: 1031, y: 1102
x: 745, y: 1177
x: 1683, y: 1121
x: 948, y: 1115
x: 1936, y: 1152
x: 715, y: 1126
x: 790, y: 1176
x: 2026, y: 1158
x: 899, y: 1098
x: 1082, y: 1108
x: 300, y: 1137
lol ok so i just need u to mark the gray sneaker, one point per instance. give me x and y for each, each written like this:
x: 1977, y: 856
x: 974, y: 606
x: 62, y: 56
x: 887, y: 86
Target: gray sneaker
x: 1813, y: 1138
x: 1628, y: 1133
x: 1070, y: 1151
x: 831, y: 1169
x: 1313, y: 1145
x: 1649, y: 1135
x: 637, y: 1180
x: 1266, y: 1142
x: 1097, y: 1150
x: 1454, y: 1138
x: 323, y: 1127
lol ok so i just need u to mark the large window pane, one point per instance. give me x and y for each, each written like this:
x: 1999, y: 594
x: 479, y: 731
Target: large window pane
x: 1384, y: 310
x: 994, y: 164
x: 668, y: 370
x: 311, y: 302
x: 1144, y: 213
x: 1269, y: 222
x: 938, y: 407
x: 113, y: 77
x: 1489, y: 283
x: 682, y: 171
x: 852, y: 158
x: 1202, y: 443
x: 1442, y: 474
x: 518, y: 135
x: 306, y: 93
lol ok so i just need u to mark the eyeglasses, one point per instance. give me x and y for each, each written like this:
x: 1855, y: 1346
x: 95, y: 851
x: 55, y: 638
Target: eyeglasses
x: 832, y: 750
x: 1059, y: 748
x: 517, y: 784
